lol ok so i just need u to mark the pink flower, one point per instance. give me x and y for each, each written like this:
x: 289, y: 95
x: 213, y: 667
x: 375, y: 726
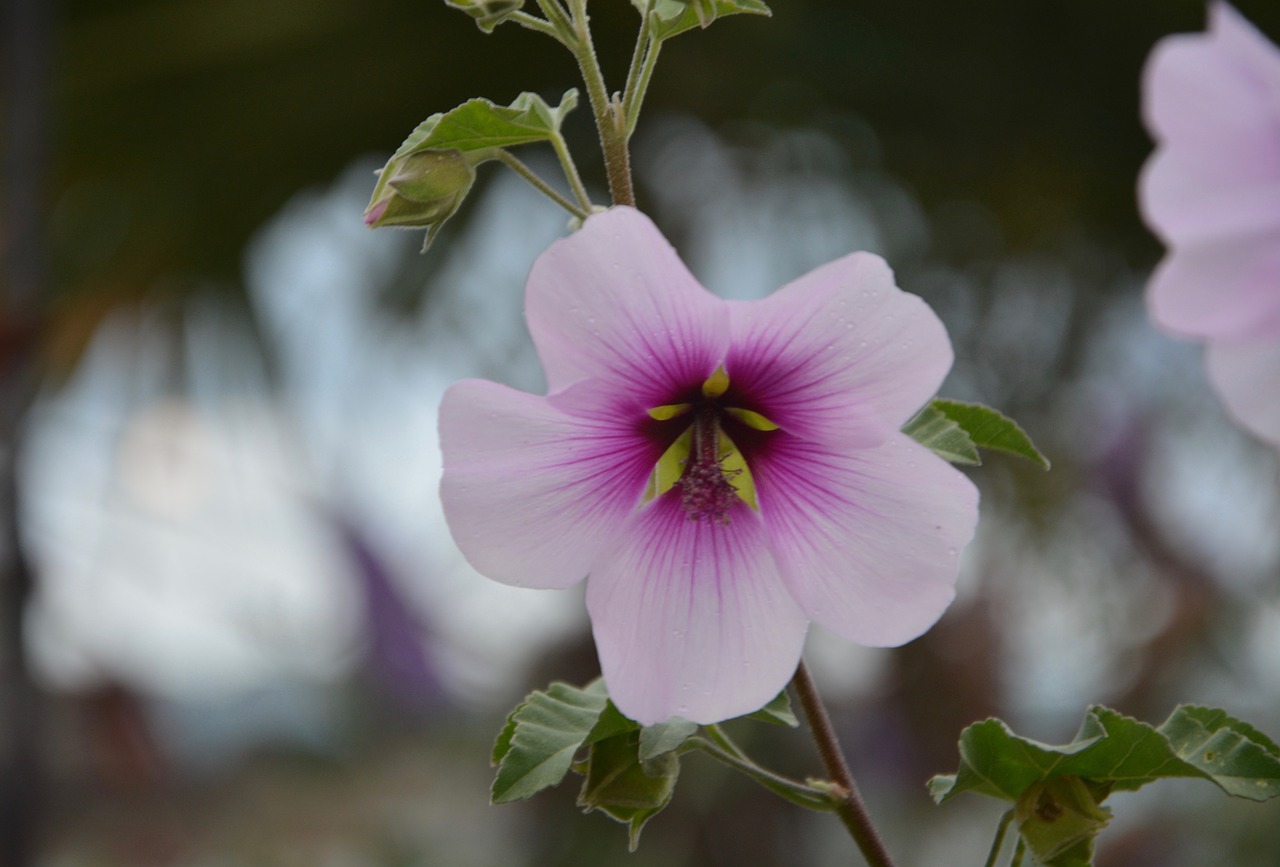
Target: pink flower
x: 725, y: 471
x: 1211, y: 191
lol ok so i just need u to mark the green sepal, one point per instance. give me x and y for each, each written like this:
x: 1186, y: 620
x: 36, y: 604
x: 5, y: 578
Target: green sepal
x: 1060, y: 819
x: 669, y: 18
x: 488, y: 13
x: 777, y: 712
x: 665, y: 737
x: 622, y: 786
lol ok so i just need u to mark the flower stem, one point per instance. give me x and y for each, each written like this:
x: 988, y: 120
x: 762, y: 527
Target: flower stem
x: 1018, y: 853
x: 791, y: 790
x: 542, y: 186
x: 998, y: 842
x: 571, y: 171
x: 850, y: 808
x: 637, y: 88
x: 610, y: 122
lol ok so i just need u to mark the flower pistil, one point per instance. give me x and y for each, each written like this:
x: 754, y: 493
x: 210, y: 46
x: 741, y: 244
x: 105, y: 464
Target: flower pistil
x: 703, y: 462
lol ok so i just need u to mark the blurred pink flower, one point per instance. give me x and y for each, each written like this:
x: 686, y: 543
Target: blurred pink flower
x: 1211, y: 191
x: 726, y: 471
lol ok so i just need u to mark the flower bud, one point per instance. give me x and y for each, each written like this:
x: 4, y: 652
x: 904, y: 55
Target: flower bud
x: 420, y: 189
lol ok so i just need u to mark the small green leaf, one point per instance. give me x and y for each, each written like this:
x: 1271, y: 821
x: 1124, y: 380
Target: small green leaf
x: 777, y: 712
x: 932, y: 429
x: 479, y: 125
x: 536, y: 747
x: 669, y: 18
x: 988, y: 429
x: 625, y: 788
x: 488, y: 13
x: 665, y: 737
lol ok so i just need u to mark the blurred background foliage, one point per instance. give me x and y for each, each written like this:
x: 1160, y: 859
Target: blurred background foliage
x: 246, y: 639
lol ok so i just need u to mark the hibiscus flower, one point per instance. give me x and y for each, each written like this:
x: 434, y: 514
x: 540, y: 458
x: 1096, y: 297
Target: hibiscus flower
x: 1211, y: 191
x: 724, y: 471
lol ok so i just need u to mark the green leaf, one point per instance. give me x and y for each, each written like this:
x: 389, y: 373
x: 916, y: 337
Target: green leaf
x: 988, y: 429
x: 1241, y: 760
x: 1058, y: 790
x: 488, y: 13
x: 669, y: 18
x: 625, y: 788
x: 536, y: 747
x: 665, y: 737
x: 1120, y: 753
x: 479, y: 125
x: 932, y: 429
x: 777, y: 712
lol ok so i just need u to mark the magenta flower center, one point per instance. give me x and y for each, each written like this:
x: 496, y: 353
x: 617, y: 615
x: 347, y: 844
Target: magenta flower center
x: 702, y: 461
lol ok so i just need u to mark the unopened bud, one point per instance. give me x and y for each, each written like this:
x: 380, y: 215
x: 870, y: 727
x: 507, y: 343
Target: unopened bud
x: 420, y: 189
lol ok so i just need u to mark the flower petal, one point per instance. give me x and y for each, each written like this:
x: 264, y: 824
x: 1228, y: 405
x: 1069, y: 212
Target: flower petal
x: 841, y: 354
x: 1202, y: 92
x: 1225, y: 290
x: 614, y: 301
x: 691, y: 618
x: 1246, y: 377
x: 531, y: 491
x: 868, y: 540
x: 1187, y: 199
x: 1212, y: 189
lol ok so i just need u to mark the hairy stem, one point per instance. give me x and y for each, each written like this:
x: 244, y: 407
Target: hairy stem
x: 636, y: 90
x: 542, y: 186
x: 571, y: 171
x: 850, y: 807
x: 610, y: 122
